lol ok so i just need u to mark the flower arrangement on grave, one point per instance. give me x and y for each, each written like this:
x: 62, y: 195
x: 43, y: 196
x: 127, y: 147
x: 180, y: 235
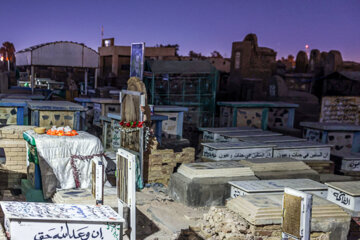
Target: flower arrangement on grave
x: 62, y: 131
x: 131, y: 126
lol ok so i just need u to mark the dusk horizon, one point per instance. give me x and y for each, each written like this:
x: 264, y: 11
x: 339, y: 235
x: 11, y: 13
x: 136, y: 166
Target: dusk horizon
x: 201, y: 26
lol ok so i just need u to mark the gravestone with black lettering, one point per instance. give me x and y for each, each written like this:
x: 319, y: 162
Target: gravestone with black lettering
x: 236, y: 150
x: 345, y: 194
x: 347, y: 163
x: 343, y: 137
x: 302, y: 150
x: 241, y: 188
x: 27, y: 220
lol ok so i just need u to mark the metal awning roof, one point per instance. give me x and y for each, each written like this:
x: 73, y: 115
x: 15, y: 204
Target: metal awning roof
x: 62, y: 54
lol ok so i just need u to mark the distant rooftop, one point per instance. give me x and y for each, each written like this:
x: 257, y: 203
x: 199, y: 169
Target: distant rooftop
x: 60, y: 53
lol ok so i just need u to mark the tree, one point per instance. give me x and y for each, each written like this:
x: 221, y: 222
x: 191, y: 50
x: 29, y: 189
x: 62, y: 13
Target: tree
x: 216, y: 54
x: 8, y: 50
x: 195, y: 55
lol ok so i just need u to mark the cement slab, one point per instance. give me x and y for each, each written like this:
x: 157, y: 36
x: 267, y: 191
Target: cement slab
x: 200, y: 192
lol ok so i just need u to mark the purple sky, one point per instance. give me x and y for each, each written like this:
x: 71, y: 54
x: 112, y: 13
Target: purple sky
x: 199, y: 25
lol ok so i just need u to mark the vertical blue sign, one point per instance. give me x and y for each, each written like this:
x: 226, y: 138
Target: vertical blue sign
x: 137, y: 60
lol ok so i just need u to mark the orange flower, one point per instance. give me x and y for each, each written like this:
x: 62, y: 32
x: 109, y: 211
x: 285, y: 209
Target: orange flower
x: 60, y: 133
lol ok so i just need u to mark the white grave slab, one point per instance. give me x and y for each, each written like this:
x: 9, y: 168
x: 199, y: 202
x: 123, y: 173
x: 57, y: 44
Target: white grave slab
x: 273, y: 139
x: 60, y: 221
x: 242, y: 188
x: 236, y: 150
x: 213, y: 134
x: 215, y: 169
x: 303, y: 150
x: 345, y: 194
x: 350, y: 162
x: 235, y: 136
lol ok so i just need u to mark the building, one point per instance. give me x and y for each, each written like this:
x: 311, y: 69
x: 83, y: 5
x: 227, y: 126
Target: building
x: 115, y: 60
x: 338, y: 83
x: 249, y: 61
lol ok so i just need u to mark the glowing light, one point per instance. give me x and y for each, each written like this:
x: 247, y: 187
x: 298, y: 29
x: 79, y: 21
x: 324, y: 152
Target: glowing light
x: 307, y: 46
x: 2, y: 58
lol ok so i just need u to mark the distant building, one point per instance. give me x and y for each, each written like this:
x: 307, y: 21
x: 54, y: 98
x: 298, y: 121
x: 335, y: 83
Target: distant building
x: 338, y: 83
x: 249, y: 61
x: 115, y: 60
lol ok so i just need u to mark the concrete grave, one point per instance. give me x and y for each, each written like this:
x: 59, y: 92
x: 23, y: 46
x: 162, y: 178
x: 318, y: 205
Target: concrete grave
x: 347, y: 162
x: 273, y: 139
x: 345, y: 194
x: 206, y: 184
x: 267, y: 210
x: 302, y: 150
x: 344, y: 138
x: 213, y: 134
x: 236, y: 150
x: 280, y: 168
x: 241, y: 188
x: 66, y: 221
x: 215, y: 169
x: 235, y: 136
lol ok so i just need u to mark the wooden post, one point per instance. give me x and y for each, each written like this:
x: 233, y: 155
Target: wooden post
x: 126, y: 186
x: 32, y: 81
x: 96, y: 78
x: 86, y: 80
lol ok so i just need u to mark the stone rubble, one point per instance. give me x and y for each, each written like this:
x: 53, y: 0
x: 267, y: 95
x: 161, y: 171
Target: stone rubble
x: 221, y: 223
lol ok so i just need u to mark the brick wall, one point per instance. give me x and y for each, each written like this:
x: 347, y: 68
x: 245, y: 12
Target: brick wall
x: 14, y: 146
x: 161, y: 163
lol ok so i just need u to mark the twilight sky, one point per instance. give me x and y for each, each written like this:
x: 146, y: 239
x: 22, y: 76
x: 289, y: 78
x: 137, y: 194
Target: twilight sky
x: 199, y: 25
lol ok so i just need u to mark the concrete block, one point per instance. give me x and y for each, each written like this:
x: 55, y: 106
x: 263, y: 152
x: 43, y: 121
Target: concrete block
x: 200, y: 192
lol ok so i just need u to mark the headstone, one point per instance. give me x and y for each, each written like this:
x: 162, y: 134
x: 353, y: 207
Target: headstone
x: 213, y: 134
x: 234, y: 136
x: 215, y: 169
x: 236, y: 150
x: 241, y: 188
x: 302, y: 62
x: 273, y: 139
x: 65, y: 221
x: 351, y: 162
x: 302, y: 150
x: 296, y: 217
x: 345, y: 194
x: 333, y: 62
x: 340, y: 109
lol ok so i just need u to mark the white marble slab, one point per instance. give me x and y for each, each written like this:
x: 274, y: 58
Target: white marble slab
x: 236, y: 150
x: 241, y: 188
x: 273, y: 139
x: 213, y: 134
x: 345, y: 194
x: 302, y: 150
x: 234, y: 136
x: 60, y: 221
x: 215, y: 169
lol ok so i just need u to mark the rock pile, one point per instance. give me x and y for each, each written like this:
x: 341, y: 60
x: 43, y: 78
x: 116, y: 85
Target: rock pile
x: 220, y: 223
